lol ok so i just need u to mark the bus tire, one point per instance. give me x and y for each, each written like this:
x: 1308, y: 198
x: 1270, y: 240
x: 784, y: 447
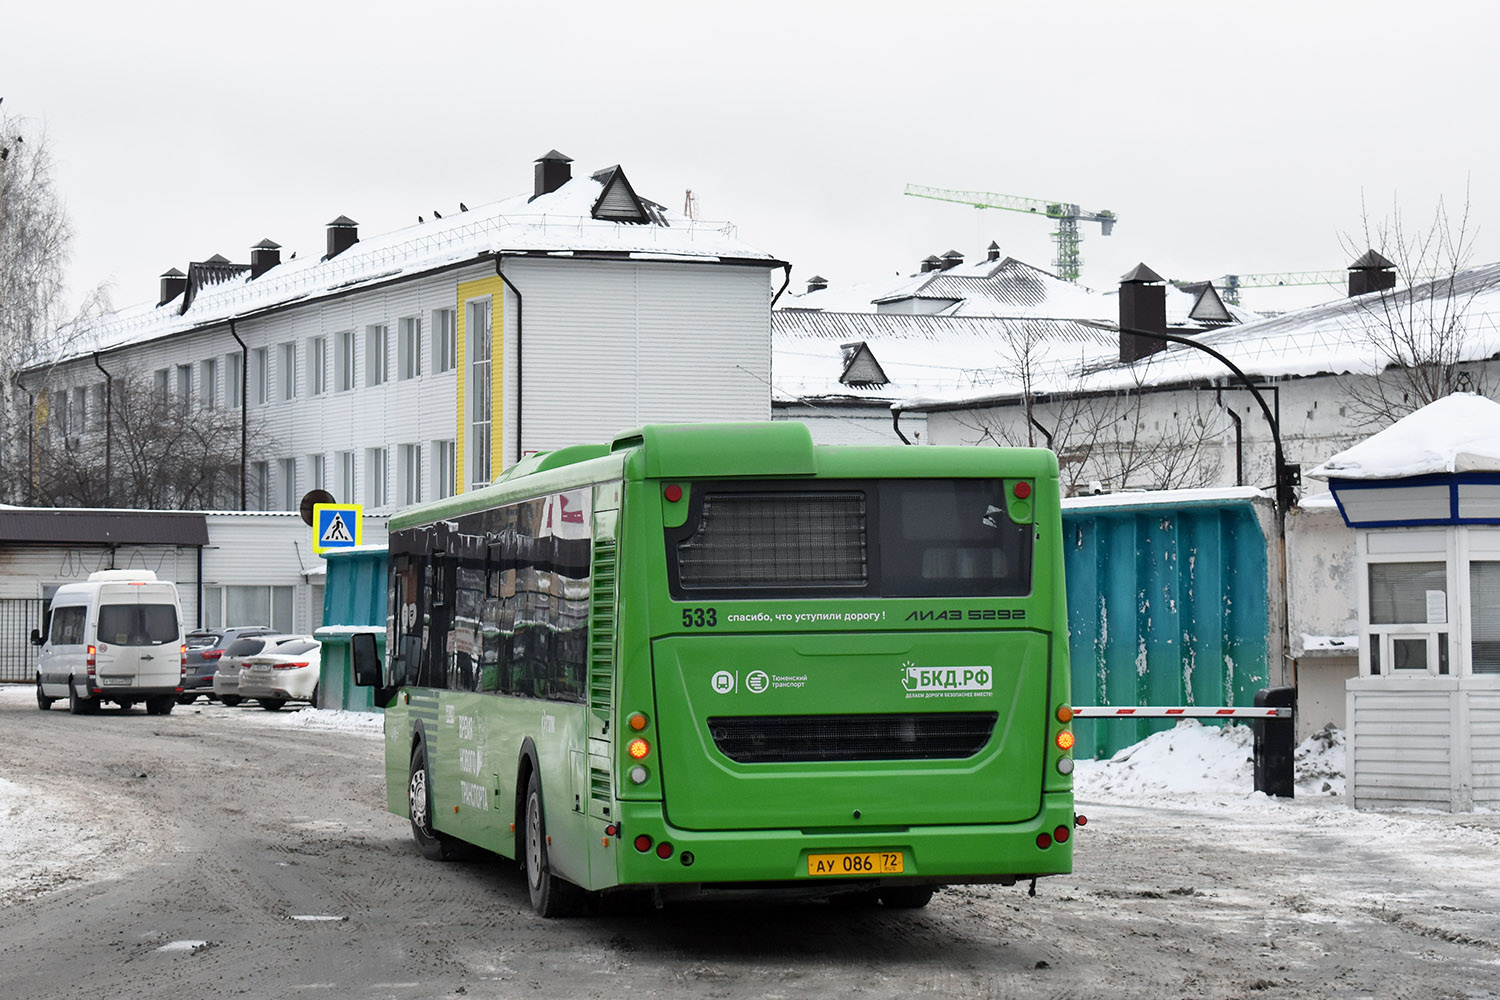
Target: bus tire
x: 42, y: 701
x: 77, y: 705
x: 432, y: 844
x: 906, y: 897
x: 551, y: 896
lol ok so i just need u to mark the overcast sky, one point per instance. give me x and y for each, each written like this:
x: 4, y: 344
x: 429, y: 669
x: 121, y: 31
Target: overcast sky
x: 1226, y: 137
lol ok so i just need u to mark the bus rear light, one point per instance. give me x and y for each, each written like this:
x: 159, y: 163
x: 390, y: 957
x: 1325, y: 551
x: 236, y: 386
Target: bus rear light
x: 613, y: 830
x: 664, y: 850
x: 643, y: 842
x: 639, y: 774
x: 1065, y: 713
x: 1044, y: 840
x: 1080, y: 820
x: 673, y: 493
x: 1061, y: 834
x: 1065, y: 740
x: 1065, y: 765
x: 636, y: 721
x: 1022, y: 490
x: 638, y: 748
x: 91, y: 660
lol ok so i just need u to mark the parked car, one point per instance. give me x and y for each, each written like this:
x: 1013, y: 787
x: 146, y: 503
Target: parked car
x: 204, y: 648
x: 227, y: 676
x: 283, y: 672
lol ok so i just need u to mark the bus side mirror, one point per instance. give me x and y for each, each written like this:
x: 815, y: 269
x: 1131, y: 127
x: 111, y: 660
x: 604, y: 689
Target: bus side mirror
x: 367, y: 672
x: 36, y: 637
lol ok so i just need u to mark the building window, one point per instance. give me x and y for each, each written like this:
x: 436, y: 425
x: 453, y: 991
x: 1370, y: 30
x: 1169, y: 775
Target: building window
x: 159, y: 387
x: 444, y: 340
x: 409, y: 474
x: 184, y: 384
x: 346, y: 477
x: 96, y: 411
x: 319, y: 473
x: 375, y: 473
x: 260, y: 375
x: 233, y: 607
x: 480, y: 341
x: 317, y: 366
x: 288, y: 472
x: 377, y: 364
x: 234, y: 380
x: 444, y: 468
x: 78, y: 412
x: 59, y: 414
x: 343, y: 361
x: 1409, y: 617
x: 409, y: 348
x: 286, y: 372
x: 260, y: 486
x: 1484, y: 613
x: 210, y: 384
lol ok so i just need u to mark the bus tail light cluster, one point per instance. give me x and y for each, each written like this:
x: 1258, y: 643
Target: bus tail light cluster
x: 643, y: 843
x: 1057, y: 836
x: 90, y: 663
x: 1065, y: 739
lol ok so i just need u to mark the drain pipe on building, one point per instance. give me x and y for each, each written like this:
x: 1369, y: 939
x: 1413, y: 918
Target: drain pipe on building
x: 520, y: 313
x: 109, y: 426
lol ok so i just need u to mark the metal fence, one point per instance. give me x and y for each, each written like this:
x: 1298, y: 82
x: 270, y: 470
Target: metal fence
x: 18, y: 616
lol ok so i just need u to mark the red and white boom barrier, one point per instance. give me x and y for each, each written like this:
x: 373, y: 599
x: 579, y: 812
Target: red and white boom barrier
x: 1176, y: 712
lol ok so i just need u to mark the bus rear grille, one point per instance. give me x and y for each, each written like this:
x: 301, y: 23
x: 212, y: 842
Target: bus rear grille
x: 764, y: 739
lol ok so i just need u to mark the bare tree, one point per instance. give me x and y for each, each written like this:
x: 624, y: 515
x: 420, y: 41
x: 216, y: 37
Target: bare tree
x: 1122, y: 439
x: 156, y: 451
x: 34, y: 245
x: 1419, y: 330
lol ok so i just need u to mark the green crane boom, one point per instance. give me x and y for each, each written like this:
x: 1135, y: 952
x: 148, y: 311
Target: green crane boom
x: 1066, y: 214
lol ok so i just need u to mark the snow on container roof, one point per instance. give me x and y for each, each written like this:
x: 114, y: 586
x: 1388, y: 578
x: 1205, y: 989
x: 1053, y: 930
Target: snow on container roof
x: 1458, y: 433
x: 560, y: 221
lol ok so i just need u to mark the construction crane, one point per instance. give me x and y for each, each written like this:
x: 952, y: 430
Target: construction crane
x: 1232, y: 283
x: 1066, y: 214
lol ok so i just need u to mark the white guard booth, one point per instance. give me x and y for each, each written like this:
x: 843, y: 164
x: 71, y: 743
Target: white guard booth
x: 1424, y: 712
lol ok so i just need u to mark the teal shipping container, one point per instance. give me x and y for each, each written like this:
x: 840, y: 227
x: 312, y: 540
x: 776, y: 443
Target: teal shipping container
x: 1169, y: 603
x: 353, y: 601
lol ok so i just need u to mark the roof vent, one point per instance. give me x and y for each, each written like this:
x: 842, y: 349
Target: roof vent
x: 343, y: 233
x: 1143, y: 307
x: 552, y: 172
x: 1371, y: 273
x: 951, y: 259
x: 264, y: 256
x: 993, y: 253
x: 617, y: 201
x: 930, y: 264
x: 817, y: 283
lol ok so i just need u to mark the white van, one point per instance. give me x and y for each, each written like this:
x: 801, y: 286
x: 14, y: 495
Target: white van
x: 116, y: 638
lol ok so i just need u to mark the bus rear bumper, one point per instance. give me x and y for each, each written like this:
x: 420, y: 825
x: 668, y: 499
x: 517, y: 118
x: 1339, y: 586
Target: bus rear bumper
x: 1000, y: 852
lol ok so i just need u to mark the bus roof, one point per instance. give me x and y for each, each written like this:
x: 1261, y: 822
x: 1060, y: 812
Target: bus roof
x: 724, y: 450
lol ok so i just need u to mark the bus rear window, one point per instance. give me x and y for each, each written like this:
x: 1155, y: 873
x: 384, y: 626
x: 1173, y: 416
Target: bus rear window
x: 893, y: 538
x: 137, y: 624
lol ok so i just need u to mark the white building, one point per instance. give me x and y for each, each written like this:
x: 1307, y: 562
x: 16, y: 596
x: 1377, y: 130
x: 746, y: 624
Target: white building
x: 417, y: 364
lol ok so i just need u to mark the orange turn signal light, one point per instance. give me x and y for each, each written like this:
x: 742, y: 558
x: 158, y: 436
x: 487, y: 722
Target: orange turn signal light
x: 1065, y: 713
x: 636, y: 721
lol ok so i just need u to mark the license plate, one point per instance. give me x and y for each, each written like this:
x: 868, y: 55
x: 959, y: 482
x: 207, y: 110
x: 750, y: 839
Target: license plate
x: 857, y: 863
x: 113, y: 681
x: 261, y: 667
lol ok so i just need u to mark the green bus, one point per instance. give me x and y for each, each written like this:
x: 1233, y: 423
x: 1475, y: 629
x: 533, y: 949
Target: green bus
x: 718, y: 657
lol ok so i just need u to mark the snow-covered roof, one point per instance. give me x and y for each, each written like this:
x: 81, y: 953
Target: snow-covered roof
x: 970, y: 330
x: 561, y: 222
x: 1338, y: 337
x: 1458, y: 433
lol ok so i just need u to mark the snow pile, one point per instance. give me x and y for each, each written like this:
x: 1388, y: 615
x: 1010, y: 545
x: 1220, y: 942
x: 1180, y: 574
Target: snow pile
x: 1197, y: 760
x: 1458, y: 433
x: 318, y: 719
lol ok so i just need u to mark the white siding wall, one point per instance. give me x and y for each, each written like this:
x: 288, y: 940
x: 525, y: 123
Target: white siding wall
x: 1431, y: 743
x: 612, y: 345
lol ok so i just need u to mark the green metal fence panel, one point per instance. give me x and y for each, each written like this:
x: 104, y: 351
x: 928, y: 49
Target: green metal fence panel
x: 1168, y: 604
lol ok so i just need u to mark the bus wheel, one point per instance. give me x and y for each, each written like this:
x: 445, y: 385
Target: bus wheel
x: 906, y: 897
x: 551, y: 896
x: 42, y: 701
x: 77, y: 705
x: 432, y: 844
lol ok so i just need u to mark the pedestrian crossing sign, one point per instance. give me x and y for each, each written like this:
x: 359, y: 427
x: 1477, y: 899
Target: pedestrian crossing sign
x: 337, y: 526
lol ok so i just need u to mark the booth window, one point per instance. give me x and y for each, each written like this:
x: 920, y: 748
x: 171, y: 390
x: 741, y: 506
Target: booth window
x: 1484, y: 602
x: 1409, y: 617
